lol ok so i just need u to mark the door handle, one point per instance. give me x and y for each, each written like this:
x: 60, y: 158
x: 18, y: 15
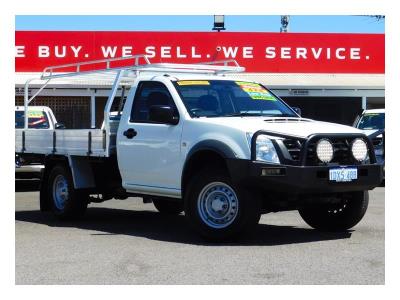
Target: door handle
x: 130, y: 133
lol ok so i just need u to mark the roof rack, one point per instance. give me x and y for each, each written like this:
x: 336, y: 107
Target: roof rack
x: 121, y: 69
x: 100, y: 65
x: 139, y: 63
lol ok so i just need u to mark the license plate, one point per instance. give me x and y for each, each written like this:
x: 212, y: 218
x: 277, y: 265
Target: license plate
x: 343, y: 174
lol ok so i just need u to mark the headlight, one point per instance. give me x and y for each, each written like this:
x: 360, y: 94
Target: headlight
x: 324, y: 150
x: 265, y: 150
x: 359, y: 149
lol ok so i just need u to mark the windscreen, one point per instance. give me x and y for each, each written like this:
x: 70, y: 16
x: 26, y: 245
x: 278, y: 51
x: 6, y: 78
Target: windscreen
x: 226, y: 98
x: 372, y: 121
x: 36, y: 119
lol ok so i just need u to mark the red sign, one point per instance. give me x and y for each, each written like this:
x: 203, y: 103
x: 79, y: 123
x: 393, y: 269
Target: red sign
x: 256, y: 51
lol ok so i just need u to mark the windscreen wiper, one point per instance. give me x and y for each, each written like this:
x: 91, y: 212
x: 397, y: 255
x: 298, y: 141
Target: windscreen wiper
x: 243, y: 114
x: 286, y: 116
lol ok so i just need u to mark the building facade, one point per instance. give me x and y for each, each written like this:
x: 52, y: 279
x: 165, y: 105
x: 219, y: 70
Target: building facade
x: 330, y: 77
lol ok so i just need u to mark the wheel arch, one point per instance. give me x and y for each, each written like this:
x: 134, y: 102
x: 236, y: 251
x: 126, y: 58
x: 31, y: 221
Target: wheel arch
x: 81, y: 172
x: 208, y: 152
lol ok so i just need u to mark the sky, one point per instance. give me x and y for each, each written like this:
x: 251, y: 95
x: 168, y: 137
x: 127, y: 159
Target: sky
x: 339, y: 24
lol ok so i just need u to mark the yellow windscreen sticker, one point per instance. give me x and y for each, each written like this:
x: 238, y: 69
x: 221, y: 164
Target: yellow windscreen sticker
x: 255, y: 91
x: 35, y: 114
x: 193, y: 82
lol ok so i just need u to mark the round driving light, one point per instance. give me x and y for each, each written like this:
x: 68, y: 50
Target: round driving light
x: 359, y: 149
x: 324, y: 150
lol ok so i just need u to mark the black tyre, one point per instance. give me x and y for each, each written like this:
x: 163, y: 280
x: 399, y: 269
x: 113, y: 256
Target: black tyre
x: 168, y: 207
x: 66, y: 201
x: 217, y: 209
x: 337, y: 217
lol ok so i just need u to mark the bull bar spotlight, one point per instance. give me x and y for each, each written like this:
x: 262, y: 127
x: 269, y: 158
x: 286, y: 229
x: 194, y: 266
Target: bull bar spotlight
x: 359, y: 149
x: 324, y: 150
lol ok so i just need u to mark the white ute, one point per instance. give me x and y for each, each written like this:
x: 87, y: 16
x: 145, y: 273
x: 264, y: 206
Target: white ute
x: 189, y: 138
x: 39, y: 117
x: 372, y: 123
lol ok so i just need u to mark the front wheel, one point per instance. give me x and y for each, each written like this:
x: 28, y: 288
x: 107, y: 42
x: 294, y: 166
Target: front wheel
x: 217, y: 208
x: 337, y: 217
x: 66, y: 201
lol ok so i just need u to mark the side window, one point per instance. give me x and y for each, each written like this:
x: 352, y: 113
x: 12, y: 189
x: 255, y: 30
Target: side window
x: 150, y: 93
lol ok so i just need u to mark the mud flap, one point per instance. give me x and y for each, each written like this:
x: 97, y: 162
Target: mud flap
x: 44, y: 199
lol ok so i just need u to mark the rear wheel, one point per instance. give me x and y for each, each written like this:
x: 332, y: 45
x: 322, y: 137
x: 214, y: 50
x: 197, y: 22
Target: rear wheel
x: 337, y: 217
x: 217, y: 208
x: 168, y: 207
x: 66, y: 201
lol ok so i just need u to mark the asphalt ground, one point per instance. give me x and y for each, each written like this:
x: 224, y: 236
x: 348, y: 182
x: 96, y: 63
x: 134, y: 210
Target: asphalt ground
x: 128, y: 242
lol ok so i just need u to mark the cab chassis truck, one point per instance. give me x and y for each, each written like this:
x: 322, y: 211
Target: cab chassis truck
x: 191, y: 139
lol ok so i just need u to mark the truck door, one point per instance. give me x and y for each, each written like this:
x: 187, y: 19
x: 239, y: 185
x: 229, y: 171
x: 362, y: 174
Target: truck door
x: 149, y: 152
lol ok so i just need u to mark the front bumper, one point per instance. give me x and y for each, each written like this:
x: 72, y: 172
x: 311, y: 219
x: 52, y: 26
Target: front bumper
x: 300, y: 179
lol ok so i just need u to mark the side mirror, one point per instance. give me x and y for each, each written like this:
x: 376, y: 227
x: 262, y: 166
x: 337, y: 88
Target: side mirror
x: 162, y: 114
x: 59, y: 126
x: 297, y: 110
